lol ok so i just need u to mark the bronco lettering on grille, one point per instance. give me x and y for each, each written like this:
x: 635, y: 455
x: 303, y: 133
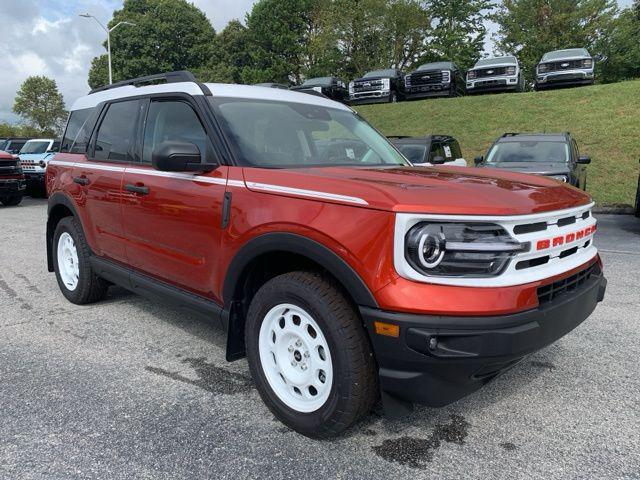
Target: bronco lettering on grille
x: 563, y: 239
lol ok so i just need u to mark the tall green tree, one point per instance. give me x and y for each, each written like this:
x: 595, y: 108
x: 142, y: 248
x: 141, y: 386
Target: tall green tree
x: 359, y: 35
x: 168, y: 35
x: 458, y: 30
x: 230, y: 55
x: 279, y: 34
x: 530, y: 28
x: 621, y: 48
x: 41, y: 105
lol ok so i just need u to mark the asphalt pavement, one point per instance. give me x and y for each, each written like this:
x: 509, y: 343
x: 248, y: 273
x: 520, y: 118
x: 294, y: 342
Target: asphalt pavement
x: 127, y: 388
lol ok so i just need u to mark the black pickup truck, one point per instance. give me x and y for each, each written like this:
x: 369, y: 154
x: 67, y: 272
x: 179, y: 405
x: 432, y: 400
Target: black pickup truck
x: 377, y: 86
x: 332, y: 87
x: 437, y: 79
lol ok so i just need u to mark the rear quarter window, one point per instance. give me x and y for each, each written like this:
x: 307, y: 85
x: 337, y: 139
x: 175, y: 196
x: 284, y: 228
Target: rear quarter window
x: 76, y: 136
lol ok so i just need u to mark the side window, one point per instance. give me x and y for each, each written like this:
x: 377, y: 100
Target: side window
x: 76, y: 136
x: 452, y: 151
x: 576, y: 153
x: 116, y: 135
x: 174, y: 121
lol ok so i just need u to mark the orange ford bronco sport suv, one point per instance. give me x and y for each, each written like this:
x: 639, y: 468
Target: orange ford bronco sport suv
x: 340, y: 271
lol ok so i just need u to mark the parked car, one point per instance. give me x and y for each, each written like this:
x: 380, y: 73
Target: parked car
x: 638, y: 199
x: 430, y: 150
x: 12, y: 181
x: 339, y: 277
x: 435, y: 79
x: 281, y: 86
x: 553, y: 155
x: 495, y: 74
x: 34, y: 156
x: 13, y: 145
x: 377, y: 86
x: 570, y: 67
x: 331, y: 87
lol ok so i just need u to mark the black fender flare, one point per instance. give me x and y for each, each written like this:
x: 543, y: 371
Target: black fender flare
x: 55, y: 200
x: 301, y: 245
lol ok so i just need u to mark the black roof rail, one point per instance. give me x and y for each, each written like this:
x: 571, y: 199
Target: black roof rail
x: 509, y: 134
x: 399, y: 136
x: 168, y: 77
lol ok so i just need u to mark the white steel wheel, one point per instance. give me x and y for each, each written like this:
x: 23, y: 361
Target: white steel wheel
x: 68, y: 265
x: 295, y: 358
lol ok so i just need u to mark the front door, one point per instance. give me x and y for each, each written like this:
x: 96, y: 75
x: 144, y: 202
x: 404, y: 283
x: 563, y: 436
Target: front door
x: 172, y: 221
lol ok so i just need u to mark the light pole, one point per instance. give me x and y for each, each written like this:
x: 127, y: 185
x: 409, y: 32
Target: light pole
x: 108, y: 30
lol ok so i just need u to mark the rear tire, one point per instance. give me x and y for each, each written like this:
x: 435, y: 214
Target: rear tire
x: 71, y: 262
x: 309, y: 354
x: 11, y: 201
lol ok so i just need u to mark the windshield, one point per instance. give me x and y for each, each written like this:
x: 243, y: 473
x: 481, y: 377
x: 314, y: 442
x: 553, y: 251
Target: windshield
x: 572, y: 52
x: 318, y: 81
x: 273, y: 134
x: 542, y: 152
x: 496, y: 61
x: 380, y: 73
x: 35, y: 147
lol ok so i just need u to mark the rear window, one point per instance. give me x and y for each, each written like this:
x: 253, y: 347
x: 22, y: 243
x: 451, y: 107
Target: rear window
x: 75, y: 135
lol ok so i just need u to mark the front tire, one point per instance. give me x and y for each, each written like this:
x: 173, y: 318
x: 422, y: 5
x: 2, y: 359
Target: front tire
x: 309, y: 354
x: 71, y: 261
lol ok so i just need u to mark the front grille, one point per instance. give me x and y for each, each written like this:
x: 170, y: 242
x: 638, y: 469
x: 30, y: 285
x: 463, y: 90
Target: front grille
x: 28, y: 165
x: 431, y: 77
x: 9, y: 167
x: 491, y: 72
x: 554, y: 290
x: 564, y: 65
x: 367, y: 86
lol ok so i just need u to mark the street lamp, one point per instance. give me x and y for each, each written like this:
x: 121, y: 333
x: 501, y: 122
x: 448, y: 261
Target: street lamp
x: 108, y: 30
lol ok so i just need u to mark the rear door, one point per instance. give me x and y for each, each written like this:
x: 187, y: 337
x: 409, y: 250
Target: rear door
x: 111, y: 148
x: 172, y: 220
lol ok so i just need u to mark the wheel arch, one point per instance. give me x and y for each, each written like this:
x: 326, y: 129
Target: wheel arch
x: 281, y: 253
x: 59, y: 207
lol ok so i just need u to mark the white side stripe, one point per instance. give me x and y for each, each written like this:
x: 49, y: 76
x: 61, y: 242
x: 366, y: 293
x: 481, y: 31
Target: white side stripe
x: 306, y: 193
x: 218, y: 181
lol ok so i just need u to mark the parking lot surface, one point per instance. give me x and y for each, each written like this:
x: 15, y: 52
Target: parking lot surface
x: 127, y: 388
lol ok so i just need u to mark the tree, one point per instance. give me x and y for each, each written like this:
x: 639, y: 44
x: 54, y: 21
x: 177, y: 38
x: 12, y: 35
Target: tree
x: 530, y: 28
x: 279, y: 33
x: 621, y: 48
x: 359, y: 35
x: 230, y: 55
x: 40, y: 104
x: 458, y: 32
x: 169, y: 35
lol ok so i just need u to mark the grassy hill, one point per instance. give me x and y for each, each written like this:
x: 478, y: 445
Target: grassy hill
x: 604, y: 120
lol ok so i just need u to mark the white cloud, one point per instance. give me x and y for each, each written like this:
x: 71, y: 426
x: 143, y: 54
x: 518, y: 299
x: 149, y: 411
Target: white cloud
x: 220, y: 12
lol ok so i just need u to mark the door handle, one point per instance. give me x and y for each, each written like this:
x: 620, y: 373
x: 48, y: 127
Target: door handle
x: 81, y: 180
x: 141, y: 189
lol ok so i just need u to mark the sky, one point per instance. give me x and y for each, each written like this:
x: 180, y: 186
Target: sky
x: 46, y: 37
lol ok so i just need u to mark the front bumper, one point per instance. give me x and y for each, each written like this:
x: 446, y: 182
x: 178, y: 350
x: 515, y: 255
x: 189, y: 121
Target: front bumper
x: 437, y: 360
x: 425, y: 91
x: 34, y: 179
x: 565, y: 77
x: 12, y: 186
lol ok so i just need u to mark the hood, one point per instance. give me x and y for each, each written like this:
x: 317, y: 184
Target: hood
x: 442, y: 190
x: 5, y: 156
x: 538, y: 168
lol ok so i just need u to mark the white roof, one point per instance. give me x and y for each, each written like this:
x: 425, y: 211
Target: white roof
x: 217, y: 89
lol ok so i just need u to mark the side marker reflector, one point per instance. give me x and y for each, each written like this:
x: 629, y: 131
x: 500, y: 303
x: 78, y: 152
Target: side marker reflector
x: 387, y: 329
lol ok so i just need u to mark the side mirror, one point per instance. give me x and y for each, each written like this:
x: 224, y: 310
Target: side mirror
x: 478, y: 160
x: 584, y: 159
x: 437, y: 160
x: 176, y: 156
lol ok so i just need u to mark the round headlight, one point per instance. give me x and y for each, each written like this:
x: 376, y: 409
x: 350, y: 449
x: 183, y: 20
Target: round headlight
x: 425, y: 246
x: 562, y: 178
